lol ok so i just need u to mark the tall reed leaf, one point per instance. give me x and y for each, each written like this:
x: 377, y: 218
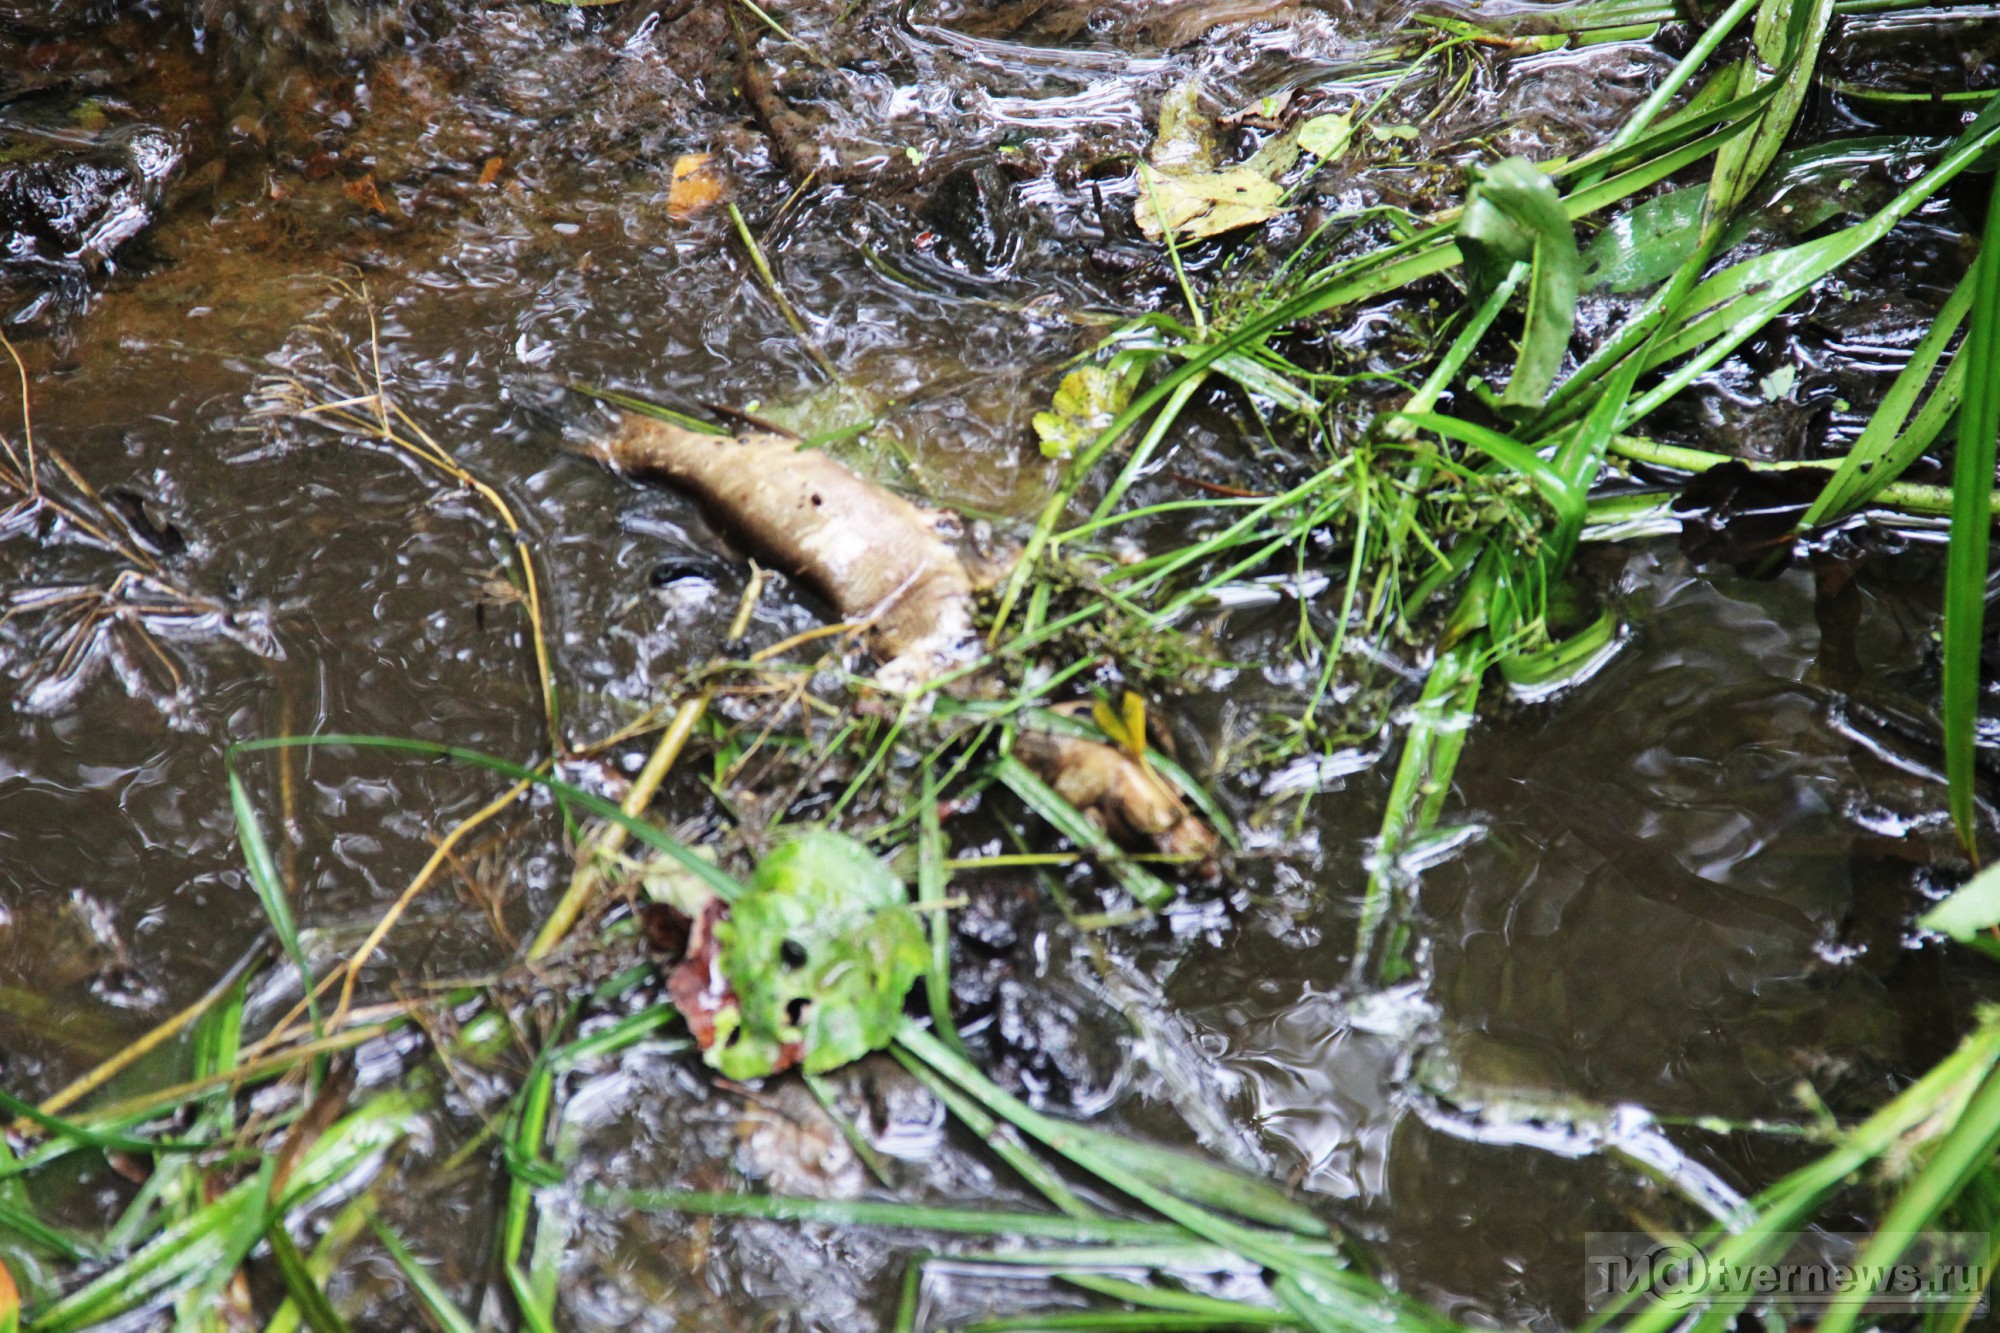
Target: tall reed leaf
x: 1885, y: 449
x: 263, y: 871
x: 1788, y: 37
x: 1971, y: 530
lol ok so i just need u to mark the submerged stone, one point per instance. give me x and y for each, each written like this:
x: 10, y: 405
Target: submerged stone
x: 67, y: 208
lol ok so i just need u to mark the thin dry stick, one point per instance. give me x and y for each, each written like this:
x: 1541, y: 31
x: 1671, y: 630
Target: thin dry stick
x: 151, y: 1041
x: 381, y: 422
x: 770, y: 279
x: 30, y: 473
x: 374, y: 1021
x: 438, y: 858
x: 611, y: 838
x: 345, y: 974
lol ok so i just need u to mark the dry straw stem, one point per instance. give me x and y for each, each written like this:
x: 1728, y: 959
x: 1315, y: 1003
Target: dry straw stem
x: 159, y: 1035
x: 609, y: 840
x: 389, y: 423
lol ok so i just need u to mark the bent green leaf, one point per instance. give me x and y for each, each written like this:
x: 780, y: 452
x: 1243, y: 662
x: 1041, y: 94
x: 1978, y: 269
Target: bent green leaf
x: 1514, y: 214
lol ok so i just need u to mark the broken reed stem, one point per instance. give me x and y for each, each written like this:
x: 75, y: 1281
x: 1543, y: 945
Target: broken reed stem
x: 770, y: 280
x: 1909, y: 496
x: 608, y: 841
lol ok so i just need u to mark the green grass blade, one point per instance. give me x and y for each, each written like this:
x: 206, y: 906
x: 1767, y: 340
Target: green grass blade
x: 1184, y: 1302
x: 931, y: 877
x: 436, y: 1301
x: 314, y: 1308
x: 1144, y: 886
x: 1788, y: 37
x: 659, y: 841
x: 1885, y: 450
x: 915, y: 1217
x: 1197, y: 1180
x: 1971, y: 532
x: 270, y: 889
x: 1002, y: 1139
x: 1966, y: 1150
x: 1685, y: 69
x: 189, y: 1253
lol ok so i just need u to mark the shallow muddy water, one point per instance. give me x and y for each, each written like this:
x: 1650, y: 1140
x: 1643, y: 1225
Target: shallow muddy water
x: 1684, y: 886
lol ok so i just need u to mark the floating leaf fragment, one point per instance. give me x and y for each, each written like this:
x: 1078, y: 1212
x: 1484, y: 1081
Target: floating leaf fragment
x: 1182, y: 192
x: 1326, y: 137
x: 1088, y: 399
x: 697, y: 185
x: 1205, y: 203
x: 1971, y: 914
x: 809, y: 967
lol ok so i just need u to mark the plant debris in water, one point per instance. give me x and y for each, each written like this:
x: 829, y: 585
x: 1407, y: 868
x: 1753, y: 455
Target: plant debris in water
x: 1338, y: 478
x: 808, y: 967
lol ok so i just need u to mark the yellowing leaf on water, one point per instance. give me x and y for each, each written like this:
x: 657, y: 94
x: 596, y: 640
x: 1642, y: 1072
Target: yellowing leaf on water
x: 1180, y: 189
x: 1327, y: 137
x: 1088, y: 399
x: 1202, y: 204
x: 1186, y: 138
x: 697, y: 184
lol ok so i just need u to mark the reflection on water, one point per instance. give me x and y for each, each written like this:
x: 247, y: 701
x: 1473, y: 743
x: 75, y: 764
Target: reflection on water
x: 1684, y: 887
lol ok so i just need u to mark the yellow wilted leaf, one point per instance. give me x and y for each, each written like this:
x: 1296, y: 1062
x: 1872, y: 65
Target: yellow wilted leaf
x: 697, y: 185
x: 1204, y: 203
x: 10, y: 1302
x: 1126, y: 727
x: 1088, y: 400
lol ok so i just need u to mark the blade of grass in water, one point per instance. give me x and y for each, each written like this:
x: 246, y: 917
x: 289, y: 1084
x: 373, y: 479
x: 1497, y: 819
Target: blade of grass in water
x: 304, y: 1290
x: 931, y: 875
x: 186, y: 1254
x: 1002, y: 1139
x: 1183, y: 1302
x: 1144, y: 886
x: 263, y: 872
x: 1967, y: 1149
x: 916, y: 1217
x: 1971, y: 532
x: 727, y: 888
x: 436, y: 1301
x: 1884, y: 449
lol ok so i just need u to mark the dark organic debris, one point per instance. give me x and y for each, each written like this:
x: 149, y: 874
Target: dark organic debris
x: 66, y: 210
x: 1748, y: 518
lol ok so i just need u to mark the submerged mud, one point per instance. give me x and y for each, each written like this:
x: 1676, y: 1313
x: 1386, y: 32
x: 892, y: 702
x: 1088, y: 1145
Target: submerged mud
x: 1686, y: 887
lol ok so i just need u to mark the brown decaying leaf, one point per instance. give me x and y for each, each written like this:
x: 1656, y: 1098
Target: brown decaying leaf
x: 1122, y: 792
